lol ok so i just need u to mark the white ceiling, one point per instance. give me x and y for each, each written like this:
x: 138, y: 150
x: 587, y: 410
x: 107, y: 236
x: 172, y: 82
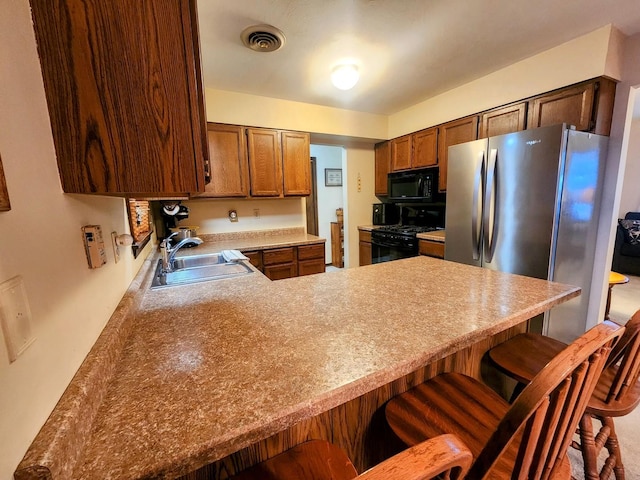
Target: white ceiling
x: 407, y: 50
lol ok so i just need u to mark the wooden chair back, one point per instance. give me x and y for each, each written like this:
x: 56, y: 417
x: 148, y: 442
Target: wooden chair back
x: 625, y: 357
x: 544, y: 417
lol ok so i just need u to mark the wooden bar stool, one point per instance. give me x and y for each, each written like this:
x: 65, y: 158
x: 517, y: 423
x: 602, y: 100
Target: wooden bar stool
x: 615, y: 278
x: 528, y: 439
x: 616, y: 394
x: 445, y: 455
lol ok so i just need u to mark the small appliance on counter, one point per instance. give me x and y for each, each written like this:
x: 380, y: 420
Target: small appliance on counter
x: 185, y: 232
x: 172, y: 212
x: 385, y: 214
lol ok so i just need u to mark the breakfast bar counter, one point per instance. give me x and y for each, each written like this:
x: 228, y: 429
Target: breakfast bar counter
x: 223, y: 373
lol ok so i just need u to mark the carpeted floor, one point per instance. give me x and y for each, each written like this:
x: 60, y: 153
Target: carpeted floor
x: 625, y: 300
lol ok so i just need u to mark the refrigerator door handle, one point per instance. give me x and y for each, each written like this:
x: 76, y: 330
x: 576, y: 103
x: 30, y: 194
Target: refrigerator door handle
x: 490, y: 211
x: 476, y: 226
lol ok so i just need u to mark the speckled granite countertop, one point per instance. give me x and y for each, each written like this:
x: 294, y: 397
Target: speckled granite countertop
x: 246, y: 241
x: 368, y: 228
x: 210, y: 368
x: 437, y: 236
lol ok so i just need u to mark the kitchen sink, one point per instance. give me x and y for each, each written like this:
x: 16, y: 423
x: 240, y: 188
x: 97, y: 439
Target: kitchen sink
x: 198, y: 268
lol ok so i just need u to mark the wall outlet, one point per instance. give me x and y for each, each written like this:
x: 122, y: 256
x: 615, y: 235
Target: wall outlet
x: 233, y: 216
x: 256, y: 212
x: 15, y: 316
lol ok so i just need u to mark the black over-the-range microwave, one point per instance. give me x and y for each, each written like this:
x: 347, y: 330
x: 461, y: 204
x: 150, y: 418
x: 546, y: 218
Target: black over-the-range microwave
x: 414, y: 185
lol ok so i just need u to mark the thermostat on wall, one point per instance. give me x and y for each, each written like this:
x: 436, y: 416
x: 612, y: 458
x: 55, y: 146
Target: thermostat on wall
x: 94, y: 246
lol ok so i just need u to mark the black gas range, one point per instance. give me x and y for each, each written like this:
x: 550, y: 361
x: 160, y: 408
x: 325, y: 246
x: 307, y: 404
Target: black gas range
x: 393, y: 242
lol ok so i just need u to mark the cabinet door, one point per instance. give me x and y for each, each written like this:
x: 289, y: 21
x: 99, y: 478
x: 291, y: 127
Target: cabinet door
x: 573, y: 105
x: 282, y: 271
x: 310, y: 267
x: 425, y: 148
x: 453, y: 133
x: 383, y: 166
x: 365, y: 253
x: 229, y: 163
x: 296, y: 163
x: 401, y: 153
x: 499, y: 121
x: 431, y: 249
x: 123, y: 88
x: 265, y: 162
x: 255, y: 258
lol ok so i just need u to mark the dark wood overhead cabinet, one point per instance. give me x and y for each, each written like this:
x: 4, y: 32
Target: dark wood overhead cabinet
x: 228, y: 159
x: 123, y: 87
x: 453, y: 133
x: 382, y: 166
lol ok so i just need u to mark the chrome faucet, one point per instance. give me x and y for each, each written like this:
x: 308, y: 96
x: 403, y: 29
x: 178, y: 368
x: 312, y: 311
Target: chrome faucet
x: 169, y: 253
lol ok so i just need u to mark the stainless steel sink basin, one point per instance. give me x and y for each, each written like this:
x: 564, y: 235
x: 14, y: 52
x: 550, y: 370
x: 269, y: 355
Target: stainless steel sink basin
x: 198, y: 268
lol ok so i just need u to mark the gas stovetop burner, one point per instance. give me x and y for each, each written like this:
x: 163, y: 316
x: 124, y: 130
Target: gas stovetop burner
x: 406, y: 229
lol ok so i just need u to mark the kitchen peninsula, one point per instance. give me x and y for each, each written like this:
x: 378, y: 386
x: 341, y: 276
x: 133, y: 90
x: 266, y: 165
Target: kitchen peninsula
x: 228, y: 371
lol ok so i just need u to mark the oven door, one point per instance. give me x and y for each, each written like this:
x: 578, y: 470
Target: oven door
x: 386, y: 249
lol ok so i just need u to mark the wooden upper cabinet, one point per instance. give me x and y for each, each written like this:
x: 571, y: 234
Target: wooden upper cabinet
x: 588, y: 106
x: 383, y: 166
x: 508, y: 119
x: 572, y: 105
x: 453, y: 133
x: 425, y: 148
x: 401, y: 150
x: 124, y: 92
x: 296, y: 163
x: 229, y: 162
x: 265, y: 162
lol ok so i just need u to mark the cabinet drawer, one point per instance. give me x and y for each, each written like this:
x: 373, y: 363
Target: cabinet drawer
x: 431, y: 249
x: 306, y: 252
x: 279, y: 255
x: 309, y: 267
x: 364, y: 236
x: 279, y: 272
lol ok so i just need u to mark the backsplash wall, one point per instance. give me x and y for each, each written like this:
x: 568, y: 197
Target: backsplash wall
x: 212, y: 216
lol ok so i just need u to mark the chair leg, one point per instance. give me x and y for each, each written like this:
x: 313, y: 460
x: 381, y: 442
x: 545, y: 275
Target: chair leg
x: 613, y: 447
x: 588, y: 448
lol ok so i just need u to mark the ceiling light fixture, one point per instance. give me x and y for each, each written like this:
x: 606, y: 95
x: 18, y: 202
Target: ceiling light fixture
x: 345, y: 76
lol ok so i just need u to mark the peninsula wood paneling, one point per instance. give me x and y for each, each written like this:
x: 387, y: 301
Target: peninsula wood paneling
x: 358, y: 426
x: 123, y: 88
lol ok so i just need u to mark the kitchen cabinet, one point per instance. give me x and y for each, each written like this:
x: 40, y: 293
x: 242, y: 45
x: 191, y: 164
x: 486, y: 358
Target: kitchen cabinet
x: 401, y: 153
x: 255, y: 258
x: 279, y: 163
x: 296, y: 163
x: 280, y: 263
x: 228, y: 160
x: 453, y: 133
x: 311, y: 259
x: 124, y: 93
x: 382, y: 166
x: 265, y: 162
x: 431, y: 248
x: 507, y: 119
x: 365, y: 247
x: 425, y: 148
x: 588, y: 106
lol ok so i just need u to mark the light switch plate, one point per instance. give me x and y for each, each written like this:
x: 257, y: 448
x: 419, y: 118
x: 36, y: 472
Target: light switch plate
x: 15, y: 316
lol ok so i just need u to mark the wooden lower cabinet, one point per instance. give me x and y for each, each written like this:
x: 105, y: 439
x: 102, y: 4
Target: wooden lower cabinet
x: 365, y: 247
x: 431, y: 249
x: 280, y: 263
x: 288, y: 262
x: 255, y: 257
x: 311, y: 259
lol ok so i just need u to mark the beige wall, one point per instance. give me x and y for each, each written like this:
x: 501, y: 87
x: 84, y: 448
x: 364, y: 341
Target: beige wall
x: 630, y: 197
x: 360, y: 185
x: 41, y: 241
x: 580, y: 59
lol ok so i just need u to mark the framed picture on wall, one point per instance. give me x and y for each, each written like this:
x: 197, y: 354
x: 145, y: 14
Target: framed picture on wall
x: 332, y: 177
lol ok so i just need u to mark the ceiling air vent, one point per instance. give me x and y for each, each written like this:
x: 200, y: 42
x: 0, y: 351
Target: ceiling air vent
x: 262, y: 38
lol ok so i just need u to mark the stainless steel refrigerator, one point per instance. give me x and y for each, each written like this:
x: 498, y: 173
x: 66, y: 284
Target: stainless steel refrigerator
x: 528, y: 203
